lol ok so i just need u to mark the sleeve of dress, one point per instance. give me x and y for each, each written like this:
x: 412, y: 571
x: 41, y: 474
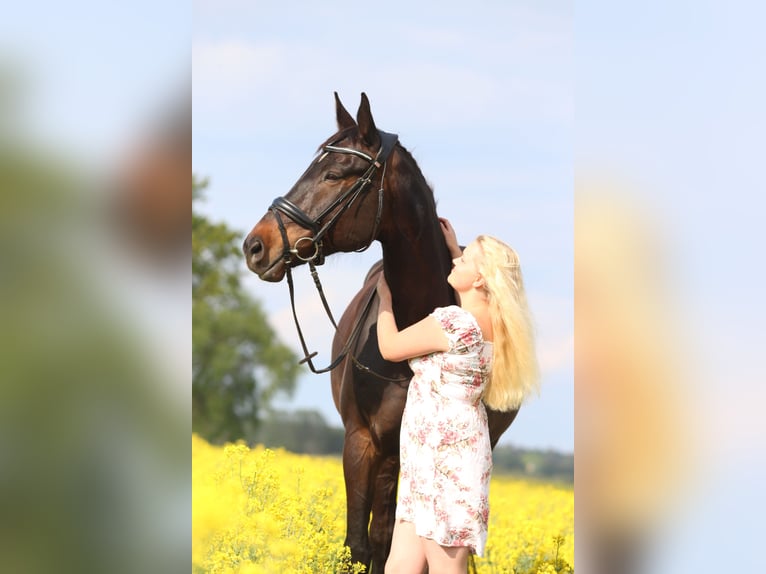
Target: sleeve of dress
x: 459, y: 331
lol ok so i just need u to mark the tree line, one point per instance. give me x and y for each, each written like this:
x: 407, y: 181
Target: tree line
x: 308, y: 432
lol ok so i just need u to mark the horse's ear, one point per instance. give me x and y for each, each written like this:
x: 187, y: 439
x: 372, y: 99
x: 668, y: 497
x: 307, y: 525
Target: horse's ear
x: 344, y: 118
x: 367, y: 127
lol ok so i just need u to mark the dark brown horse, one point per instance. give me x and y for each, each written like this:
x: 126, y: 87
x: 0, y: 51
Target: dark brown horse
x: 364, y: 186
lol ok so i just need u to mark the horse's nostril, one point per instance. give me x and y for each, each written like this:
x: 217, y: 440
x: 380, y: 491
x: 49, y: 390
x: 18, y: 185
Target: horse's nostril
x: 254, y: 248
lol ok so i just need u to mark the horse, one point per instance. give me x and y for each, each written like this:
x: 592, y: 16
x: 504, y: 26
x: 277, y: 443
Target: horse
x: 364, y: 186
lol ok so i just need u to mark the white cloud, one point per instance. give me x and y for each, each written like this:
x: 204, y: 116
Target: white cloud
x: 440, y: 76
x: 556, y: 355
x: 553, y: 318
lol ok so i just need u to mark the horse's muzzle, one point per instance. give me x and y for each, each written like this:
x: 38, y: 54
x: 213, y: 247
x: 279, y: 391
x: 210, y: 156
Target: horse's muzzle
x: 257, y: 260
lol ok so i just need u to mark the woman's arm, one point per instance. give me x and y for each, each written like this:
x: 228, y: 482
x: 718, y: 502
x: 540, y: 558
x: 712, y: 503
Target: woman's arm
x: 425, y: 336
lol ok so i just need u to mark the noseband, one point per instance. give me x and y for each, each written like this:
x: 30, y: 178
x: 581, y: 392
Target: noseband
x: 319, y: 228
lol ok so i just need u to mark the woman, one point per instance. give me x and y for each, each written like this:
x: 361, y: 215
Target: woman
x: 463, y: 357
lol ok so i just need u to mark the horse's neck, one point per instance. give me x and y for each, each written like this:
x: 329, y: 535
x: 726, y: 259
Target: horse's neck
x: 416, y: 270
x: 415, y: 256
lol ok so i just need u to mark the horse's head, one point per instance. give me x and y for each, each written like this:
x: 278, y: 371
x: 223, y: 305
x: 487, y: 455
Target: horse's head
x: 336, y: 205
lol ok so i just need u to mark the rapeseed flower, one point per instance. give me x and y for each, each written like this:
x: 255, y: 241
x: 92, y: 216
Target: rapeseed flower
x: 257, y: 511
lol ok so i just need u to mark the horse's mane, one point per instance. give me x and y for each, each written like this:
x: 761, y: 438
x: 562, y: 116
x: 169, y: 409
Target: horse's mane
x: 419, y: 181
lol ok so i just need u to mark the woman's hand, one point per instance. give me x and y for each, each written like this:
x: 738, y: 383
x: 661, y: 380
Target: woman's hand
x: 450, y: 237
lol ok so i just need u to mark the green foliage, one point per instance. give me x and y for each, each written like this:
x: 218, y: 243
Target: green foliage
x: 301, y: 431
x: 543, y: 464
x: 238, y: 363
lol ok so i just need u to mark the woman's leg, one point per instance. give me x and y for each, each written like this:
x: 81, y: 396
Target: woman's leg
x: 446, y: 559
x: 407, y: 555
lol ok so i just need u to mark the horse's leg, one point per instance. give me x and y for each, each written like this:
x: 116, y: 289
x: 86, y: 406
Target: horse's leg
x: 359, y: 462
x: 383, y: 512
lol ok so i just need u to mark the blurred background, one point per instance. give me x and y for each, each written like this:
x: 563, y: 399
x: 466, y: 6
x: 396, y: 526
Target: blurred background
x: 652, y: 113
x: 95, y: 361
x: 668, y: 283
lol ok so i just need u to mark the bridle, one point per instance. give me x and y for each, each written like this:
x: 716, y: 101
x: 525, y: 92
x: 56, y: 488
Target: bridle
x: 319, y: 227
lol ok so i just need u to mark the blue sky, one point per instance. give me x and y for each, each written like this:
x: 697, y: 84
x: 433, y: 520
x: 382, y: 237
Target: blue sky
x: 481, y: 95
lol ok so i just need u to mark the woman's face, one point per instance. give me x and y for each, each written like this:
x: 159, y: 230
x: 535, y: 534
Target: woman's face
x: 465, y: 269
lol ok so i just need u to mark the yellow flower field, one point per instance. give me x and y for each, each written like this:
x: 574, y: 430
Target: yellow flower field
x: 262, y: 511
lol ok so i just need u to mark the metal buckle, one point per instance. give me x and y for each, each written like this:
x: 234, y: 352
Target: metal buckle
x: 315, y: 255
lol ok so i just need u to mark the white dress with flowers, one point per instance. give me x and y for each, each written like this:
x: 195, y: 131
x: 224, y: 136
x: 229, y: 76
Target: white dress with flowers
x: 446, y: 458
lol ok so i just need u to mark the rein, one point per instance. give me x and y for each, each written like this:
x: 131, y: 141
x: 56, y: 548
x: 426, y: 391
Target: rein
x: 283, y: 206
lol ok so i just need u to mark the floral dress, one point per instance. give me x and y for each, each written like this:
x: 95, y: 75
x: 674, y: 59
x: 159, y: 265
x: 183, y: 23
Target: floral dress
x: 445, y: 453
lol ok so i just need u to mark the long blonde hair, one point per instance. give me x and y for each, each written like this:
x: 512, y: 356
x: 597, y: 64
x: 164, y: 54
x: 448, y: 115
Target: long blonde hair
x: 515, y: 373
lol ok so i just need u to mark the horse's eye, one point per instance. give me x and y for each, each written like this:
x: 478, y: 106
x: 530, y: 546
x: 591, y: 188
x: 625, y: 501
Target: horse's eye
x: 331, y: 176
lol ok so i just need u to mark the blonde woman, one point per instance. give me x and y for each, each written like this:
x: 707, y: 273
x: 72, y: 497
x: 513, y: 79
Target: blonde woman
x: 463, y: 357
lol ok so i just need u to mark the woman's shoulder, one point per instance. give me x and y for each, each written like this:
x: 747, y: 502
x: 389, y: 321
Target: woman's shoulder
x: 456, y: 320
x: 449, y: 313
